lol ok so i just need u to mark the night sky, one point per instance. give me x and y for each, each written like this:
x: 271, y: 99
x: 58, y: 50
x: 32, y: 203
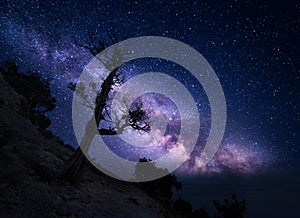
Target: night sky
x: 253, y: 48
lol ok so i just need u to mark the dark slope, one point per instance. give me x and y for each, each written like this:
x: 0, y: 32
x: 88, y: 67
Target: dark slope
x: 30, y: 163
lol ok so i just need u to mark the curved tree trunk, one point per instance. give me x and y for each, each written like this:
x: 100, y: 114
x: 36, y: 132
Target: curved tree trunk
x: 73, y: 166
x: 76, y: 161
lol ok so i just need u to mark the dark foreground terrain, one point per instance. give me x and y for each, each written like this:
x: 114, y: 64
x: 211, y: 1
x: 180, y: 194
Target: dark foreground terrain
x: 31, y: 161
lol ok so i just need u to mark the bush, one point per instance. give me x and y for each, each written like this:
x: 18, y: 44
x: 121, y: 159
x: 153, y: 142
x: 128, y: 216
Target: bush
x: 230, y: 209
x: 35, y: 89
x: 182, y: 208
x: 160, y: 188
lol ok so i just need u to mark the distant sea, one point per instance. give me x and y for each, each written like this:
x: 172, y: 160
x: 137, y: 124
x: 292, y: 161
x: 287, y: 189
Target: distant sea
x: 275, y: 195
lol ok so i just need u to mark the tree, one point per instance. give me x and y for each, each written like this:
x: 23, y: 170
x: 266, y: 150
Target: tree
x: 230, y: 209
x: 200, y: 213
x: 136, y: 118
x: 35, y: 89
x: 162, y: 188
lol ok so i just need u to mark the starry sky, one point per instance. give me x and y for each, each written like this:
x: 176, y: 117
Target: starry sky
x: 252, y: 46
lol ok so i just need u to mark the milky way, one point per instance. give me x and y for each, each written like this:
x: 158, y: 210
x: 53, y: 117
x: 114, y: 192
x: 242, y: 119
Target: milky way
x: 251, y: 60
x: 234, y: 155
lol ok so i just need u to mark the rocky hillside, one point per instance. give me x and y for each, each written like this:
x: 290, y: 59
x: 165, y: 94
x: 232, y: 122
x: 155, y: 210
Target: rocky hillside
x: 30, y: 162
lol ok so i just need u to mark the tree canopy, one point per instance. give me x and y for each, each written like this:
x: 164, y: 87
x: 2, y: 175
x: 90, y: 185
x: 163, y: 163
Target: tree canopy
x: 35, y: 89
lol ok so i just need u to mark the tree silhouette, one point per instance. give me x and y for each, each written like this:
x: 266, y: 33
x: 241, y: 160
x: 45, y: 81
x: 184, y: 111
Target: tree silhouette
x: 160, y: 189
x: 182, y: 208
x: 136, y: 118
x: 230, y: 209
x: 35, y: 89
x: 200, y: 213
